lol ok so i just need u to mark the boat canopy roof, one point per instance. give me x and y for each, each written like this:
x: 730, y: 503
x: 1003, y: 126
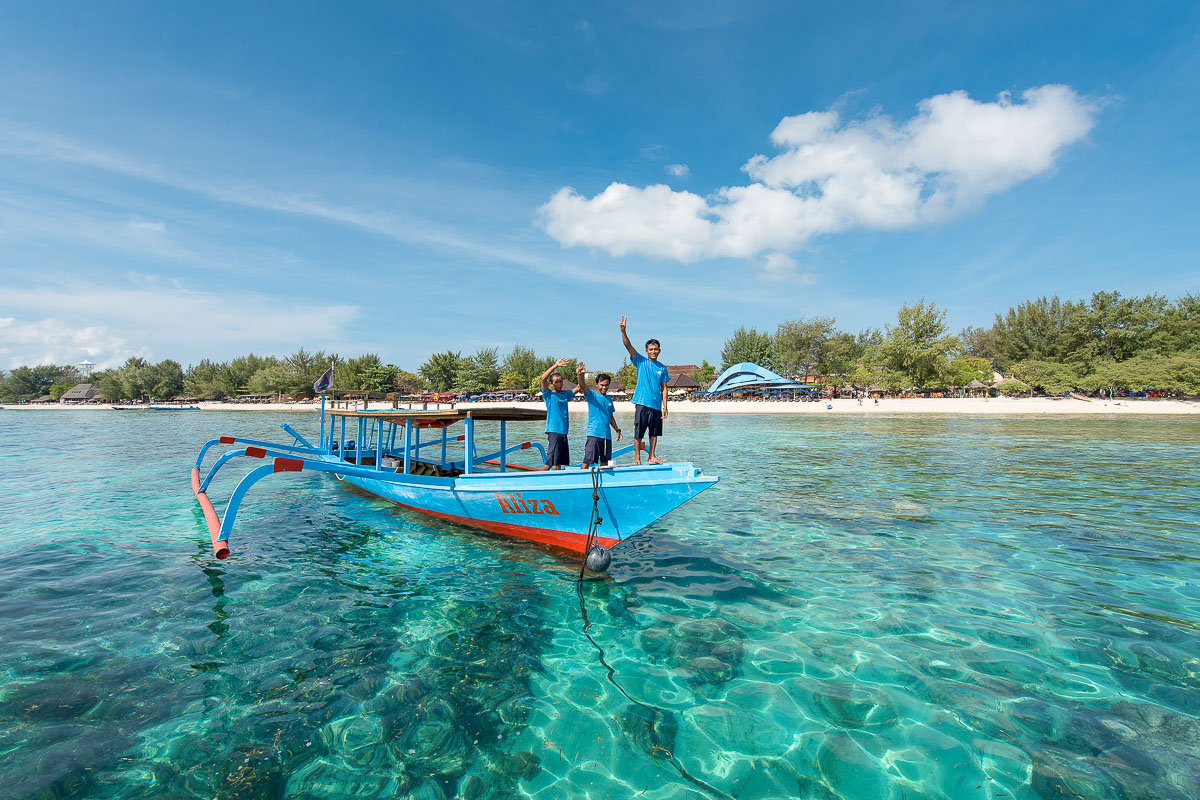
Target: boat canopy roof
x: 399, y: 415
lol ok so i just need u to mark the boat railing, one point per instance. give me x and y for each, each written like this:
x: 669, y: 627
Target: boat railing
x: 299, y: 439
x: 307, y: 448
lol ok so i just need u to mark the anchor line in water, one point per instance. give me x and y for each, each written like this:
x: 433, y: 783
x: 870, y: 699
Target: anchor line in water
x: 593, y: 521
x: 711, y: 791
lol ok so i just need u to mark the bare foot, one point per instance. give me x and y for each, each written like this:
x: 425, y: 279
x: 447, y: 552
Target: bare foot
x: 637, y: 462
x: 655, y: 460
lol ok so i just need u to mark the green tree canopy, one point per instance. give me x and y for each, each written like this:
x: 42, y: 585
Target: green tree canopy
x: 204, y: 380
x: 31, y: 382
x: 798, y: 344
x: 164, y: 379
x: 524, y: 362
x: 236, y: 374
x: 748, y: 345
x: 1035, y: 330
x: 274, y: 379
x: 479, y: 373
x: 705, y: 374
x: 918, y: 346
x: 440, y: 370
x: 1114, y: 327
x: 365, y: 373
x: 409, y: 383
x: 627, y: 376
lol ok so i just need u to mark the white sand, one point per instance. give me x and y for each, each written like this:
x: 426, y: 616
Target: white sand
x: 996, y: 406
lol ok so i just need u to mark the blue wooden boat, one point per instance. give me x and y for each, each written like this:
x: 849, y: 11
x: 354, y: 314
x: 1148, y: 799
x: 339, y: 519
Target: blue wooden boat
x: 411, y: 458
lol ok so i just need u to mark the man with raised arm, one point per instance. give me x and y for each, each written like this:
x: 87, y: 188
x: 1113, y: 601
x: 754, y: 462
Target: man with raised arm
x: 558, y: 452
x: 649, y: 397
x: 598, y: 449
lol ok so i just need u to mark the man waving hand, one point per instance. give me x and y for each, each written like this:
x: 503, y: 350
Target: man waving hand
x: 649, y: 397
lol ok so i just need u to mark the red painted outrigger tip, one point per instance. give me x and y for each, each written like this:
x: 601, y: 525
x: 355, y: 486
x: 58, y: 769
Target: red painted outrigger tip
x: 220, y: 548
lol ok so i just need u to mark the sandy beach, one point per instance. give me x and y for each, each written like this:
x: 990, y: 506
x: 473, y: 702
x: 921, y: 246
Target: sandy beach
x: 995, y: 406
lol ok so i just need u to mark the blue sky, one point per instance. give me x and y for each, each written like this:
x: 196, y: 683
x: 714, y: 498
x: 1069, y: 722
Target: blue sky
x: 186, y: 180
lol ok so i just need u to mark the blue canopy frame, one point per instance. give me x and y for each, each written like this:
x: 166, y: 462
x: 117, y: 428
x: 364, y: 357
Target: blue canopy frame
x: 748, y: 377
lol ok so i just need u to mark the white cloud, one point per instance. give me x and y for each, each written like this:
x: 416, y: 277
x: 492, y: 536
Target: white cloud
x: 782, y: 268
x: 64, y: 322
x: 52, y: 341
x: 678, y: 170
x: 833, y: 176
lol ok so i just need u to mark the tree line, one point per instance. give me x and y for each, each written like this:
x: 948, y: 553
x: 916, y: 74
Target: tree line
x: 1054, y: 345
x: 449, y: 371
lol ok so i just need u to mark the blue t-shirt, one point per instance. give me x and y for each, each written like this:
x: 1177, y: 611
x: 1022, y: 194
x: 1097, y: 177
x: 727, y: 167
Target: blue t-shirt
x: 556, y: 410
x: 651, y: 377
x: 600, y: 411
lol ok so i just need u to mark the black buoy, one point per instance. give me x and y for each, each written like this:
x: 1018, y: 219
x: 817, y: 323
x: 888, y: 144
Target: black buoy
x: 598, y: 558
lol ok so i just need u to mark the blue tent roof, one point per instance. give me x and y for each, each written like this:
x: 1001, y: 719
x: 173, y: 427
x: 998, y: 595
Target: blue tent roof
x: 746, y: 376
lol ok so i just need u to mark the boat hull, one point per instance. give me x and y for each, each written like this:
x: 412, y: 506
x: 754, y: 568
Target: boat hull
x: 552, y: 508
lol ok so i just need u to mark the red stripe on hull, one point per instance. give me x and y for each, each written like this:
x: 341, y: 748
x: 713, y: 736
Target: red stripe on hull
x: 575, y: 542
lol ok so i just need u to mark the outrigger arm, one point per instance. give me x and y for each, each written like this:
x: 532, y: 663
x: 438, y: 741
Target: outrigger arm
x: 296, y: 458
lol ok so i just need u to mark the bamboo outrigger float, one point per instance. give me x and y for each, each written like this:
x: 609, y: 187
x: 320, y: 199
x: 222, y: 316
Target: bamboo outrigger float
x: 382, y: 452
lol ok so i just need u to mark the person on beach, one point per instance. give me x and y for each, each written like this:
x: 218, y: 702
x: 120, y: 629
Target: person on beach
x: 598, y: 449
x: 649, y: 396
x: 558, y: 452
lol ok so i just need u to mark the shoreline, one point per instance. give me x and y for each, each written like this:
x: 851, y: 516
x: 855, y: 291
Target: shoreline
x: 996, y: 406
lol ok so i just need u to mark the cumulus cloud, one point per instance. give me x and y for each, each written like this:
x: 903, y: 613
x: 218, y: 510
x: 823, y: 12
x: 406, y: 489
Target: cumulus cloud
x: 833, y: 175
x: 678, y: 170
x: 782, y: 268
x: 63, y: 323
x: 53, y: 341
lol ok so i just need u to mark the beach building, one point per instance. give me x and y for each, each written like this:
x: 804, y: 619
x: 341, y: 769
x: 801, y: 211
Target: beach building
x: 682, y: 383
x: 675, y: 370
x: 568, y: 386
x: 79, y: 393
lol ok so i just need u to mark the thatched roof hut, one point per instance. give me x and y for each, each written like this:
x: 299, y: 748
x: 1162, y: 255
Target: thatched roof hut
x: 80, y: 392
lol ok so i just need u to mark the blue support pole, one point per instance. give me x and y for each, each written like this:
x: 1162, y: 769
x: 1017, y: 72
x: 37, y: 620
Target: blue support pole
x: 379, y: 448
x: 444, y: 447
x: 503, y: 452
x: 322, y: 420
x: 407, y: 444
x: 469, y: 443
x: 358, y: 442
x: 342, y: 441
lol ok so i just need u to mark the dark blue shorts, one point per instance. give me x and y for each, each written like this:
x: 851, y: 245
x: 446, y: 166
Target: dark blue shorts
x: 597, y: 451
x: 646, y: 422
x: 558, y: 453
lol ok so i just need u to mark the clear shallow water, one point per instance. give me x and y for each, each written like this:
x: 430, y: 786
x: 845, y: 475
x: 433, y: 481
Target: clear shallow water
x: 883, y: 607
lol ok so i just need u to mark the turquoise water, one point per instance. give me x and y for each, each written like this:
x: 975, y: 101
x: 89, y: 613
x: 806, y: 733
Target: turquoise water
x: 864, y: 607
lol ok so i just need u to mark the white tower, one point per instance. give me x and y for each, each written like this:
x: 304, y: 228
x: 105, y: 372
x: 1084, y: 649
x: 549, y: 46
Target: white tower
x: 85, y: 368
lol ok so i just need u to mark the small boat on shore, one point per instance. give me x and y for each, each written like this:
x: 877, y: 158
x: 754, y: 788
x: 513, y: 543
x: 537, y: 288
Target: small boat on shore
x: 155, y: 408
x: 445, y: 477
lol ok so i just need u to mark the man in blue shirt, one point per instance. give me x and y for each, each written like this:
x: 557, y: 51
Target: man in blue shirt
x: 649, y: 396
x: 558, y: 452
x: 598, y: 449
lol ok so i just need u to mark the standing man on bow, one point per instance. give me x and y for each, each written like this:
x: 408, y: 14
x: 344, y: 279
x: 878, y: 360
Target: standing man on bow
x: 649, y: 397
x: 598, y: 449
x: 558, y: 452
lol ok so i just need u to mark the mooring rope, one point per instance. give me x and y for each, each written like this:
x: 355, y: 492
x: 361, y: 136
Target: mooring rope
x: 708, y: 789
x: 593, y: 522
x: 593, y: 526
